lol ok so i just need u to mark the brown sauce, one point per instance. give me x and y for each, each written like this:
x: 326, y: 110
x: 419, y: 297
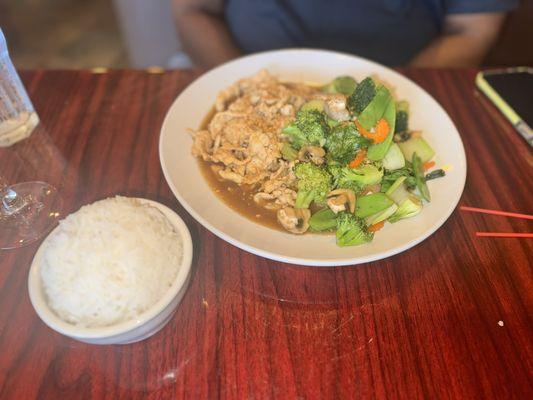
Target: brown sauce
x: 238, y: 197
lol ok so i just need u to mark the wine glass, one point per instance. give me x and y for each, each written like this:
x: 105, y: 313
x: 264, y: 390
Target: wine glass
x: 27, y: 210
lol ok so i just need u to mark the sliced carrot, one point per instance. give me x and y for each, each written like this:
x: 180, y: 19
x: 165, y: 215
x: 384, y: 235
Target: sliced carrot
x: 428, y: 165
x: 376, y: 227
x: 358, y: 159
x: 381, y: 131
x: 362, y: 130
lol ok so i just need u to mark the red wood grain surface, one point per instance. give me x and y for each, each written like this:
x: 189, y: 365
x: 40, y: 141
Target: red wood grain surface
x: 450, y: 318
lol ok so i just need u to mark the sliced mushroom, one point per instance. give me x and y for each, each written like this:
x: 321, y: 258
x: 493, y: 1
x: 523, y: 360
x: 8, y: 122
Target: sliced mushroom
x: 341, y: 200
x: 295, y: 220
x: 314, y: 154
x: 335, y: 108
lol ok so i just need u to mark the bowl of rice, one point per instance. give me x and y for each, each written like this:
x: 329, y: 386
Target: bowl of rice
x: 113, y: 272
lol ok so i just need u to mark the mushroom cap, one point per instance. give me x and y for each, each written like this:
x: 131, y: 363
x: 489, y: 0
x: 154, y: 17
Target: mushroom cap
x: 315, y: 154
x: 338, y: 199
x: 295, y: 220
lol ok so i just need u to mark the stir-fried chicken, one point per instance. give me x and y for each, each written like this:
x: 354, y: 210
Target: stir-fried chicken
x: 244, y: 136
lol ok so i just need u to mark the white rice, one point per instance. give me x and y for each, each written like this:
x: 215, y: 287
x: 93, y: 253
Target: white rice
x: 110, y: 261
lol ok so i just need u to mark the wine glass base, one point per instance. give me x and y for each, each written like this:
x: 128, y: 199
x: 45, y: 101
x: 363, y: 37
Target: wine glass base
x: 37, y: 211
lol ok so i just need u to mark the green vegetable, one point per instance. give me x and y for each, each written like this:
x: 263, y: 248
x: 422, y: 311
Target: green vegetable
x: 375, y: 110
x: 359, y: 177
x: 288, y: 152
x: 295, y: 135
x: 410, y: 207
x: 351, y: 231
x: 362, y: 96
x: 372, y: 204
x: 382, y: 215
x: 314, y: 183
x: 334, y: 170
x: 438, y: 173
x: 402, y: 117
x: 332, y: 123
x: 313, y: 105
x: 408, y: 204
x: 343, y: 142
x: 391, y: 176
x: 394, y: 158
x: 309, y: 127
x: 419, y: 146
x: 323, y: 220
x: 418, y: 170
x: 398, y: 192
x: 343, y: 84
x: 394, y: 186
x: 377, y: 151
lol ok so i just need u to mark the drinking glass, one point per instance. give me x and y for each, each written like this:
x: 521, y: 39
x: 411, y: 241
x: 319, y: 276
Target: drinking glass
x: 30, y: 209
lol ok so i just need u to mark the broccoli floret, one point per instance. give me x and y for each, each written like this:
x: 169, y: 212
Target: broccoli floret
x: 360, y: 177
x: 390, y: 177
x: 314, y: 183
x: 402, y: 117
x: 351, y: 231
x: 343, y: 142
x: 362, y: 96
x: 295, y: 135
x: 334, y: 170
x: 314, y: 125
x: 309, y: 127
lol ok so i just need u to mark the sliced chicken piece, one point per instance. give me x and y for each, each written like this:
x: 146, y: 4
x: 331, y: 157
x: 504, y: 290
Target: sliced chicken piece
x: 287, y: 110
x: 285, y: 197
x: 231, y: 176
x: 262, y: 197
x: 203, y: 145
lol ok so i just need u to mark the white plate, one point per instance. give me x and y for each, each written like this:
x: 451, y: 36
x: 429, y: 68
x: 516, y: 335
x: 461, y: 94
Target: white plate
x: 193, y: 192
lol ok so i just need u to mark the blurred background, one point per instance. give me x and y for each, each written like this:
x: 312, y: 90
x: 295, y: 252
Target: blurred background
x: 141, y: 33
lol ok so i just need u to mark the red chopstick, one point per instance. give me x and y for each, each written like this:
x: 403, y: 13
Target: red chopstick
x: 496, y: 212
x: 504, y: 234
x: 501, y: 213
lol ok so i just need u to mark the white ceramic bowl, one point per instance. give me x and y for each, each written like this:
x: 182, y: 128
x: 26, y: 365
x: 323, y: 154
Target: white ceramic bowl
x: 146, y: 324
x: 186, y: 181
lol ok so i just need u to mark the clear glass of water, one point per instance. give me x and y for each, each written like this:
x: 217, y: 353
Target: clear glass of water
x: 17, y: 116
x: 28, y: 210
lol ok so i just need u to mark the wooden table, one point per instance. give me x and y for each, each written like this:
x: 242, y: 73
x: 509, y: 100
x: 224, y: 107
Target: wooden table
x: 450, y: 318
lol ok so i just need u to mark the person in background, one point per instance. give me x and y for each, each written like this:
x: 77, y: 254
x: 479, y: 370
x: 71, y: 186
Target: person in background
x: 424, y: 33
